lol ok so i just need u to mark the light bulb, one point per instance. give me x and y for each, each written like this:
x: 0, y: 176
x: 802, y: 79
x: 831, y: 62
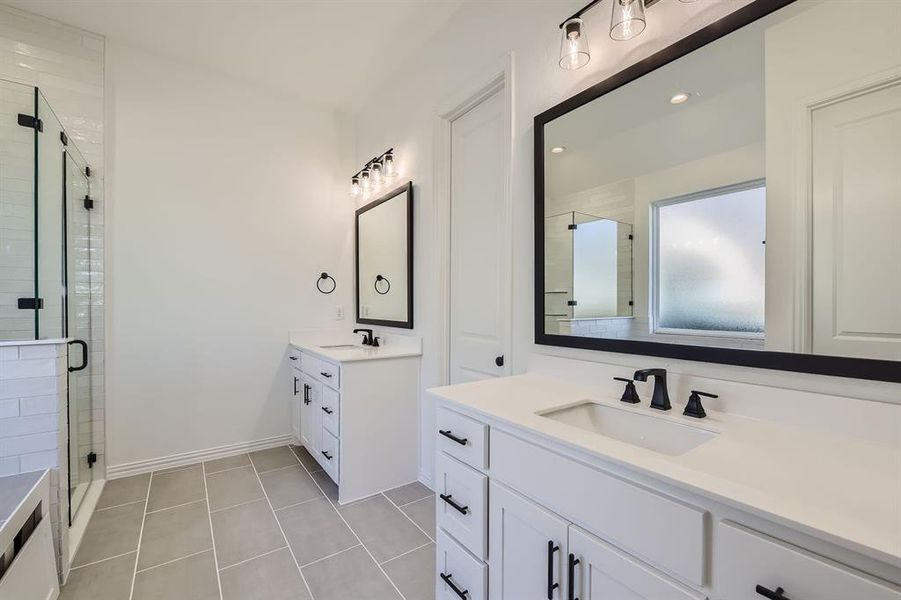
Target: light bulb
x: 355, y: 186
x: 680, y: 98
x: 365, y: 182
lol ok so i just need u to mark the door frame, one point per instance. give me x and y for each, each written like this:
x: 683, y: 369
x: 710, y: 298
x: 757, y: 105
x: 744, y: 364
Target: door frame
x: 802, y: 162
x: 496, y: 79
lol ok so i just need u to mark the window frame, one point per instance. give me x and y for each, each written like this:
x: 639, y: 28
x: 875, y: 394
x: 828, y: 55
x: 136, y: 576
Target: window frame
x: 654, y: 255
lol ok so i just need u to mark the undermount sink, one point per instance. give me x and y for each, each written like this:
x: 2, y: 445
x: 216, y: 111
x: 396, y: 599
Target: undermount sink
x: 645, y: 430
x: 339, y: 346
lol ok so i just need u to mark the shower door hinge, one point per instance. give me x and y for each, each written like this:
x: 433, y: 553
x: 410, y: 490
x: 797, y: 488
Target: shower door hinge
x: 88, y: 203
x: 92, y: 458
x: 87, y: 171
x: 631, y: 237
x: 64, y: 138
x: 31, y: 122
x: 572, y: 226
x: 31, y: 303
x: 572, y: 303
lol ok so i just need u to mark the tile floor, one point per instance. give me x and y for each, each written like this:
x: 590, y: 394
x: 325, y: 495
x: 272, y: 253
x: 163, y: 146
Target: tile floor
x: 260, y: 526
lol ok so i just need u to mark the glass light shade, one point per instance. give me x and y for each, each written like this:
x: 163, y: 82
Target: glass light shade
x: 365, y: 182
x: 628, y: 19
x: 574, y: 52
x: 376, y: 172
x: 390, y: 168
x: 355, y: 187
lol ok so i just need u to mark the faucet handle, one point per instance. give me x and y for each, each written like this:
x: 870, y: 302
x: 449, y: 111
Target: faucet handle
x: 694, y: 408
x: 630, y: 394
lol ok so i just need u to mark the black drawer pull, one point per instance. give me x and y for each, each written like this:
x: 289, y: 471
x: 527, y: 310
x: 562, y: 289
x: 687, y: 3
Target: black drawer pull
x: 327, y: 410
x: 448, y: 580
x: 326, y: 455
x: 777, y: 595
x: 551, y: 585
x: 292, y: 358
x: 326, y: 375
x: 306, y: 394
x: 448, y: 498
x: 573, y: 561
x: 295, y: 386
x: 450, y: 435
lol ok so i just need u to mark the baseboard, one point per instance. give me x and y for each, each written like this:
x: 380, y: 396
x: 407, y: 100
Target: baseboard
x: 426, y: 480
x: 188, y: 458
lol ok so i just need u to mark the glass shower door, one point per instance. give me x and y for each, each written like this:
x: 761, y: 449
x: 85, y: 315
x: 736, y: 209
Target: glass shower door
x: 79, y: 256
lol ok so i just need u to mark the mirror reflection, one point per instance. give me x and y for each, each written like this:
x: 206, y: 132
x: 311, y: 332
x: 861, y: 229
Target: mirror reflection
x: 746, y: 195
x: 384, y: 260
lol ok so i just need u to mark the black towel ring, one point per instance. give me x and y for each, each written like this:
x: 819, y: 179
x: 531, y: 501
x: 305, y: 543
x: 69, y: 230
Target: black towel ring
x: 324, y: 276
x: 379, y: 278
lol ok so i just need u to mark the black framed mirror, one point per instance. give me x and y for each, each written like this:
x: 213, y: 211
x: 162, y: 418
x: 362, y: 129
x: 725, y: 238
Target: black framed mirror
x: 384, y: 260
x: 731, y: 199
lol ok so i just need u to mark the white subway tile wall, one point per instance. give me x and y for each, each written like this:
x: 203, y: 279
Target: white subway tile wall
x: 33, y: 395
x: 67, y: 64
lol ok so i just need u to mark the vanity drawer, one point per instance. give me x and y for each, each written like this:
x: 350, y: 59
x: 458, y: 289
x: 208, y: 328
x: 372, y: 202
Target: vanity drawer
x: 463, y: 438
x: 309, y: 364
x: 329, y: 374
x: 468, y: 574
x: 661, y: 530
x: 746, y: 559
x: 330, y: 408
x: 294, y: 357
x: 462, y: 504
x: 329, y: 455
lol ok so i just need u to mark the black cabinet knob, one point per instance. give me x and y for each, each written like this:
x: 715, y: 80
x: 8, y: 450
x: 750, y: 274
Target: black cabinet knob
x: 499, y: 361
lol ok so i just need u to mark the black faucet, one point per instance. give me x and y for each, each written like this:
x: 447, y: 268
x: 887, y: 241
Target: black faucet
x: 367, y: 336
x: 660, y: 399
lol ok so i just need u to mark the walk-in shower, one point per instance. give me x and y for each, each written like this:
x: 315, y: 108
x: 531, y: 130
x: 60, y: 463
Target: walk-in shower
x: 49, y: 258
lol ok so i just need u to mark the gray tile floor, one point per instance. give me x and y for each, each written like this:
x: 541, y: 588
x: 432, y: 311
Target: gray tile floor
x: 260, y: 526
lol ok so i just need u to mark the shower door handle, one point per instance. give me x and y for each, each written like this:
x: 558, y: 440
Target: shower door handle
x: 84, y: 356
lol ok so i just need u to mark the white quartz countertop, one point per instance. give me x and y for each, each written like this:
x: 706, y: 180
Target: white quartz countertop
x: 839, y: 489
x: 349, y: 349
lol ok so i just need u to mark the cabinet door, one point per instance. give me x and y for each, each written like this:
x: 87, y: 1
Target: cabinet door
x: 311, y: 391
x: 527, y: 548
x: 598, y: 571
x: 296, y: 402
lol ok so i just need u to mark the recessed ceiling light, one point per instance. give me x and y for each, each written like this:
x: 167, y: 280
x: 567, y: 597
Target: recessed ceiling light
x: 680, y: 98
x: 558, y: 149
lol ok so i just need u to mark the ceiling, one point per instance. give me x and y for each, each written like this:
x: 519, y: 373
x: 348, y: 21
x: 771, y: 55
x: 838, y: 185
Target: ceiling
x: 328, y: 52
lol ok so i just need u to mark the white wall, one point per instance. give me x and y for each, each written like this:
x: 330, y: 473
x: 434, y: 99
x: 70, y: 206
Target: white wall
x: 227, y: 202
x: 467, y: 53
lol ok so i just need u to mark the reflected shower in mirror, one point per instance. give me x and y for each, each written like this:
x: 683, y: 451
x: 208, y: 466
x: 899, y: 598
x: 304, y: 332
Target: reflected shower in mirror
x: 384, y: 234
x: 744, y: 194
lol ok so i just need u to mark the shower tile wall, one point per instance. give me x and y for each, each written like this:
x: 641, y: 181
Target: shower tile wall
x: 67, y: 64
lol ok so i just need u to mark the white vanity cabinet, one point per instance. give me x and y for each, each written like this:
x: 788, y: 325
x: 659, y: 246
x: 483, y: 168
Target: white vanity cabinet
x: 358, y: 415
x: 562, y: 526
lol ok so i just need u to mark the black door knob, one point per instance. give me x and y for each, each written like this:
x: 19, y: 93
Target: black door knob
x: 499, y: 361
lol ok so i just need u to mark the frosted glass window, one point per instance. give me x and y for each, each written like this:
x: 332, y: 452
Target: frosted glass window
x: 710, y: 262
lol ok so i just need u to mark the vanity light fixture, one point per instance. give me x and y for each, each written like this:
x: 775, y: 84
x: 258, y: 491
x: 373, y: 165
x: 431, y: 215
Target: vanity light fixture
x: 680, y: 98
x: 390, y: 168
x: 574, y: 52
x: 373, y: 173
x: 558, y: 149
x: 627, y: 21
x: 376, y: 172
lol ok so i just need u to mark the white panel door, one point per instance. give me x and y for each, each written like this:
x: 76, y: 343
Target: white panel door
x: 526, y: 550
x: 856, y: 190
x: 601, y: 572
x: 480, y: 245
